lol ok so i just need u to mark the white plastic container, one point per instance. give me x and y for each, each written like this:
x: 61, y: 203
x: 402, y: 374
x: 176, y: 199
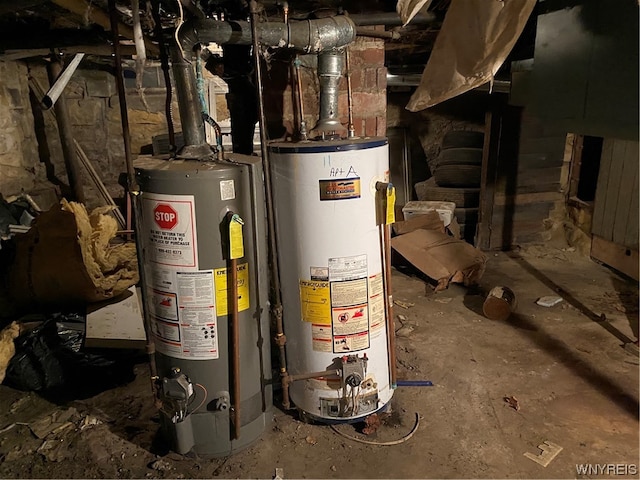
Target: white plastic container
x: 445, y: 210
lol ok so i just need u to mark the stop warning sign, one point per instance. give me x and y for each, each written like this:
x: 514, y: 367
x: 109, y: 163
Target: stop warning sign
x: 165, y: 216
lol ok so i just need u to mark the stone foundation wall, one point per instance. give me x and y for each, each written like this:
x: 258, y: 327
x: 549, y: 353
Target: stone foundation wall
x: 30, y: 152
x: 20, y: 168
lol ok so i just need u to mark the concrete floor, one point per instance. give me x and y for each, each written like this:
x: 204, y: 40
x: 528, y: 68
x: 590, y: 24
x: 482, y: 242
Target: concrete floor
x: 576, y: 385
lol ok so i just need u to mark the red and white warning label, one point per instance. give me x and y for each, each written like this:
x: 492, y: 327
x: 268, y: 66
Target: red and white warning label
x: 170, y: 225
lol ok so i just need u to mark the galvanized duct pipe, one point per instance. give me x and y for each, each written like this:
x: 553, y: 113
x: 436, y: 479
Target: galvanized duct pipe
x: 189, y: 105
x: 308, y: 36
x: 330, y: 65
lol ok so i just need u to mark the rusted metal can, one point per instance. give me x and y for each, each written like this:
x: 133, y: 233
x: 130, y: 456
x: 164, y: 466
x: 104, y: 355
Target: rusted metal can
x: 500, y: 303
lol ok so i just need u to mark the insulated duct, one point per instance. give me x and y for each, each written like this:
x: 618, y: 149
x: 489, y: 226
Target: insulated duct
x: 308, y: 36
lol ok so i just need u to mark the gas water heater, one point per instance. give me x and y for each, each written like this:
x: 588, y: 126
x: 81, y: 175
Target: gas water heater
x: 331, y: 270
x: 216, y: 396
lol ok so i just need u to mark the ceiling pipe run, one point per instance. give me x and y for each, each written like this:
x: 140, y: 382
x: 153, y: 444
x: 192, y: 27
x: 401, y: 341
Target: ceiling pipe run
x: 307, y: 36
x: 391, y: 19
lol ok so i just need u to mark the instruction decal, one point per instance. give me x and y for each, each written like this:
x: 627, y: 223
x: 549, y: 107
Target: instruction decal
x: 222, y: 294
x: 171, y: 232
x: 376, y: 305
x: 184, y: 321
x: 321, y: 338
x: 163, y: 305
x: 315, y: 304
x: 348, y: 292
x: 319, y: 273
x: 342, y: 189
x: 347, y: 268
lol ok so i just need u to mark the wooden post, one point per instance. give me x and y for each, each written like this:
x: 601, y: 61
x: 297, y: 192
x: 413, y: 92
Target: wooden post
x: 71, y: 163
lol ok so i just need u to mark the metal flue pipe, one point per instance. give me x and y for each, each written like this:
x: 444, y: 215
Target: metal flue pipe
x: 307, y: 36
x: 330, y: 66
x: 189, y: 105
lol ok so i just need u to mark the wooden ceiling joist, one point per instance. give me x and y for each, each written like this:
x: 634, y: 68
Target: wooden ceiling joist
x: 100, y: 17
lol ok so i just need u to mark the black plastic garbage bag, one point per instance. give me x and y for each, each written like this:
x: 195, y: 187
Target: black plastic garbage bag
x: 50, y: 358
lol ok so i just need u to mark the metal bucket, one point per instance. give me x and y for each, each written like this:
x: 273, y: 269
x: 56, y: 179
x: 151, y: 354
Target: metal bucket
x: 500, y: 303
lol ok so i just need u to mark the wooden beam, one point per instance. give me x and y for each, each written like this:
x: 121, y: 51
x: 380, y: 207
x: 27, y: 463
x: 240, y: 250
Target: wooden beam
x: 99, y: 17
x: 100, y: 50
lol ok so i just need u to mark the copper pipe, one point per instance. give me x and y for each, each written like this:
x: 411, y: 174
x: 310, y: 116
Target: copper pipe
x: 302, y: 131
x: 391, y: 327
x: 384, y: 231
x: 351, y: 131
x: 235, y: 335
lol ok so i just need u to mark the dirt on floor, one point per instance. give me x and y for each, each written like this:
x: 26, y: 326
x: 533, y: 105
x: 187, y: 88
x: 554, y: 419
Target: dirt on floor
x: 559, y: 374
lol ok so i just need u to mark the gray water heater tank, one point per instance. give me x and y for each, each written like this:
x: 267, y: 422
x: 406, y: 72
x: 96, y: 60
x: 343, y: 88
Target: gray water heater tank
x: 184, y: 216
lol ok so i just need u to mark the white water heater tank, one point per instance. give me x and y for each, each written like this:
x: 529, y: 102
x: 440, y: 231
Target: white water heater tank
x: 330, y: 260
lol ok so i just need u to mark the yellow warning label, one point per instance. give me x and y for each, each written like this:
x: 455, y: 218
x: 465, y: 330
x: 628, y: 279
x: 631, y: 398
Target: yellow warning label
x: 391, y: 205
x: 315, y: 302
x: 222, y: 294
x: 236, y: 242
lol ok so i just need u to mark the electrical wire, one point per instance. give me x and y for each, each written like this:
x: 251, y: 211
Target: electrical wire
x: 382, y: 444
x: 177, y: 32
x: 204, y: 399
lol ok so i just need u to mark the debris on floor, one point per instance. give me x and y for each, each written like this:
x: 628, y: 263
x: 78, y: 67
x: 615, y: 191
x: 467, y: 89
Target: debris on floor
x: 405, y: 305
x: 443, y: 300
x: 513, y: 402
x: 441, y: 257
x: 372, y: 423
x: 16, y: 215
x: 549, y: 452
x: 161, y: 465
x: 7, y: 346
x: 404, y: 331
x: 549, y: 301
x: 68, y: 257
x: 311, y: 440
x: 52, y: 423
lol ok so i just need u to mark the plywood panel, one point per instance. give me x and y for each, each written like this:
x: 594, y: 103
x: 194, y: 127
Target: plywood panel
x: 615, y: 216
x: 626, y: 191
x: 623, y: 259
x: 603, y: 182
x: 613, y: 188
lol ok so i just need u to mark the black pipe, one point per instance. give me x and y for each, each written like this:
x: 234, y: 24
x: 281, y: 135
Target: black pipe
x: 276, y: 301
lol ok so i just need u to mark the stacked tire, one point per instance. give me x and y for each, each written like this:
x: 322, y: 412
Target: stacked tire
x: 456, y: 178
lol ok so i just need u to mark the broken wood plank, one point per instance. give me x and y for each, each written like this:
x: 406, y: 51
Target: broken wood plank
x: 623, y: 259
